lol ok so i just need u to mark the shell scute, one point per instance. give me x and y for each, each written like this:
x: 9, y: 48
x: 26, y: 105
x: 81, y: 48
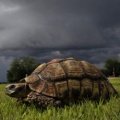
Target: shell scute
x: 91, y: 70
x: 53, y: 71
x: 73, y: 68
x: 40, y: 68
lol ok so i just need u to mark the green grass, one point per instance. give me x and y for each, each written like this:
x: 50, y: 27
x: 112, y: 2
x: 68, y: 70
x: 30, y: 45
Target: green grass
x: 11, y: 110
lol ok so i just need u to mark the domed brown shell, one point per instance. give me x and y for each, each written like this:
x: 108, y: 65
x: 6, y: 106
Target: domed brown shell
x: 69, y: 78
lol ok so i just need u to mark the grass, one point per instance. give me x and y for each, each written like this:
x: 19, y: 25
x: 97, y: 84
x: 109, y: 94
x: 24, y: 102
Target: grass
x: 11, y: 110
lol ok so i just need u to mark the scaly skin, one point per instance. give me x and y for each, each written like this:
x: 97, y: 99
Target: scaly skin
x: 41, y: 100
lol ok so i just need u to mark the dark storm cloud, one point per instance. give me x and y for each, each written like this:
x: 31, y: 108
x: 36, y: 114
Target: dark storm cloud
x: 45, y: 29
x: 59, y: 23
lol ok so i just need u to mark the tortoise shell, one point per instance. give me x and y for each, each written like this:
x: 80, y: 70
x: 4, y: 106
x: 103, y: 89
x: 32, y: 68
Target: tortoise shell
x: 69, y: 78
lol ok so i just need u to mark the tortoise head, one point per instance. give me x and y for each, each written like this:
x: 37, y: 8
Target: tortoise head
x: 24, y: 87
x: 17, y: 90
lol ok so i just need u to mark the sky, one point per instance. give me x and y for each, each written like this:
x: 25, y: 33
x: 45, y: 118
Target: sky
x: 47, y: 29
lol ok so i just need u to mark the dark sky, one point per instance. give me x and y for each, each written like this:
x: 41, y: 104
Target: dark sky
x: 46, y: 29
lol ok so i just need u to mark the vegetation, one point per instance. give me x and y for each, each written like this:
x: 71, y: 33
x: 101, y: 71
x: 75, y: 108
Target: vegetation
x: 112, y: 67
x: 88, y: 110
x: 20, y: 67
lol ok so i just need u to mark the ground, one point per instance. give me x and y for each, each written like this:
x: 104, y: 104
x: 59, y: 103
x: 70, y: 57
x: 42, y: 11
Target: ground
x: 11, y: 110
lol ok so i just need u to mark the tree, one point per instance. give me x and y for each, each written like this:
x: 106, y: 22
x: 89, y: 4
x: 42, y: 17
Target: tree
x: 20, y: 67
x: 112, y: 67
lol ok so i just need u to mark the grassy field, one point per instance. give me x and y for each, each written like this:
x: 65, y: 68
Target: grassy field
x: 11, y: 110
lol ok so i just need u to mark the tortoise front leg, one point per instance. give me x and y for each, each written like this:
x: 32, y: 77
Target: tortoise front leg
x: 42, y: 100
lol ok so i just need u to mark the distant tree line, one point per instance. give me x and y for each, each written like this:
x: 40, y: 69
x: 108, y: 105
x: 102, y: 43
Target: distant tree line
x: 112, y: 68
x: 20, y: 67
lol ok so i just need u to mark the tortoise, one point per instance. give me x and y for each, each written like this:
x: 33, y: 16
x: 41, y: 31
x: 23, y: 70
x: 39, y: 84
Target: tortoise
x: 62, y: 81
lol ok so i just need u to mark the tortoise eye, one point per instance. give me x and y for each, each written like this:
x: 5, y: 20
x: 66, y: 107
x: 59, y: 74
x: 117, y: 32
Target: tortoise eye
x: 12, y: 86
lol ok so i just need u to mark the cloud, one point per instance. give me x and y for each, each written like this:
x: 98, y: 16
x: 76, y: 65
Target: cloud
x: 51, y: 24
x: 8, y: 8
x: 46, y: 29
